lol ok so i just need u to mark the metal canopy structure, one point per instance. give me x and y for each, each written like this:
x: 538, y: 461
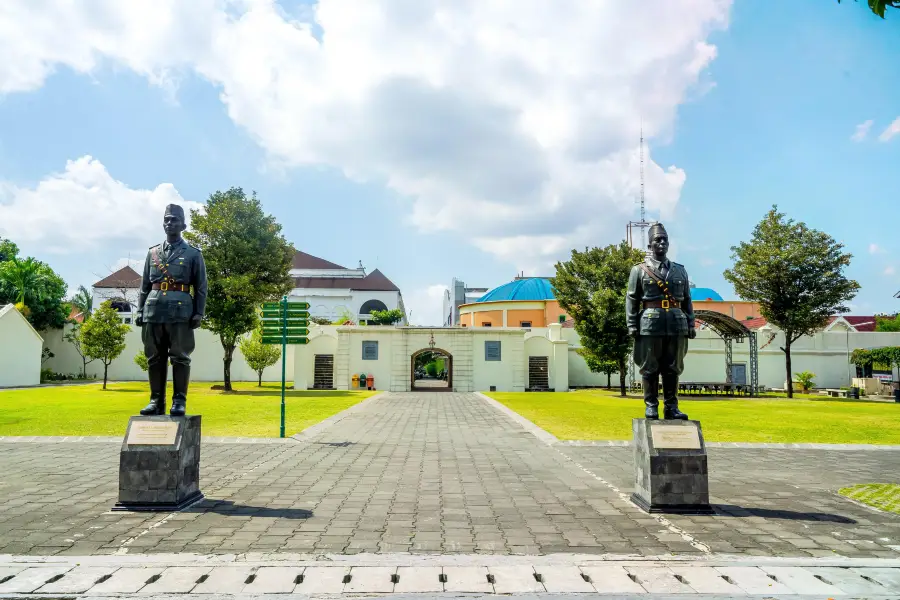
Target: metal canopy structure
x: 731, y: 330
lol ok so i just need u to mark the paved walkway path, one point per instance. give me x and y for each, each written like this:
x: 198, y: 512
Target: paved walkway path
x: 440, y: 473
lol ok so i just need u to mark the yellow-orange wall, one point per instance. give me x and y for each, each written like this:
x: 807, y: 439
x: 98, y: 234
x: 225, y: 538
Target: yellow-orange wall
x: 737, y: 309
x: 494, y: 317
x: 536, y: 317
x: 539, y: 317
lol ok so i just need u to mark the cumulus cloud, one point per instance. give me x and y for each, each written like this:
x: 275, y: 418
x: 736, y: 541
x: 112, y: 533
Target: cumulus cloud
x: 513, y: 124
x: 892, y: 130
x: 424, y: 306
x: 876, y: 249
x: 890, y: 270
x: 83, y: 206
x: 862, y: 130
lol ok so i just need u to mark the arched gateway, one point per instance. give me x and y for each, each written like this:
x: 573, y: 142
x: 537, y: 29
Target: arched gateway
x: 431, y: 370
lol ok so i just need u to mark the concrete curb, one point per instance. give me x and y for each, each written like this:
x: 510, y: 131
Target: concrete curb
x: 541, y: 434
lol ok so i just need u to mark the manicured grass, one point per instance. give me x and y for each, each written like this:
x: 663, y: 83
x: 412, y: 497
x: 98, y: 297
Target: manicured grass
x: 250, y: 411
x: 603, y: 415
x: 883, y: 496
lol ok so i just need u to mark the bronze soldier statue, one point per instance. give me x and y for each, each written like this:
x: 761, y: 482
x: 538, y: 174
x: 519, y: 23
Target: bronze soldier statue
x: 168, y: 314
x: 660, y: 316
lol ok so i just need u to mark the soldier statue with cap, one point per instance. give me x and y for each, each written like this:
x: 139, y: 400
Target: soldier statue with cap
x: 660, y: 316
x: 168, y: 313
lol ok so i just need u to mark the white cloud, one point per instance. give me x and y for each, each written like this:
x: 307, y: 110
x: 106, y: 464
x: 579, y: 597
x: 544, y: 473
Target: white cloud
x: 889, y: 270
x: 862, y: 130
x: 892, y: 130
x: 424, y: 306
x: 84, y: 206
x: 876, y: 249
x: 514, y: 125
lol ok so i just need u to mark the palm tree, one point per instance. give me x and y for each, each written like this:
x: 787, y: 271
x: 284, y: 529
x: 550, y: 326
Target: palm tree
x: 83, y: 301
x: 24, y: 275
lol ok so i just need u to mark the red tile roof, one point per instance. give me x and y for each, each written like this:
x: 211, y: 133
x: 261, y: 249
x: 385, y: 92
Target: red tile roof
x: 859, y: 323
x: 75, y: 315
x: 126, y: 277
x: 302, y: 260
x: 373, y: 282
x: 568, y: 324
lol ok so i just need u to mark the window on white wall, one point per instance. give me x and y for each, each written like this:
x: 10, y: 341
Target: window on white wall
x: 370, y: 350
x: 492, y: 351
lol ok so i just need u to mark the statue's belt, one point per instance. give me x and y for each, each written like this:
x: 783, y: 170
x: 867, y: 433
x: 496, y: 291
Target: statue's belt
x: 172, y: 287
x: 661, y: 304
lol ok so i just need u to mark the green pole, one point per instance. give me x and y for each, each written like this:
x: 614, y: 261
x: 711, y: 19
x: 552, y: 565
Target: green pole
x: 284, y: 301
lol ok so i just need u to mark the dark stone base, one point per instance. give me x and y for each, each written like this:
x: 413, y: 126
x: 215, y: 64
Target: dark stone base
x: 159, y: 507
x: 674, y: 509
x: 159, y: 464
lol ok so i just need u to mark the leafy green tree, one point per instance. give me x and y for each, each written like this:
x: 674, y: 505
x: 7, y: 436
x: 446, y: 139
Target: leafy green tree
x: 140, y: 359
x: 247, y: 263
x: 74, y: 337
x: 103, y: 336
x: 259, y: 355
x: 806, y: 379
x: 591, y: 287
x: 607, y: 367
x: 879, y: 6
x: 35, y: 286
x: 8, y: 250
x: 891, y: 324
x: 386, y: 317
x: 83, y: 301
x: 796, y: 276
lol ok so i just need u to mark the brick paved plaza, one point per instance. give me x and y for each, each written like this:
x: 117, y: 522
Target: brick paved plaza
x: 440, y: 473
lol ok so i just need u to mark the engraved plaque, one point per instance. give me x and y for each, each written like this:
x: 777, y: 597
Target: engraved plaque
x: 152, y: 432
x: 675, y: 437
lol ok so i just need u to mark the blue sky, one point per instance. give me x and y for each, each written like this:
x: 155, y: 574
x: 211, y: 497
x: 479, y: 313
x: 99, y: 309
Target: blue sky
x: 398, y: 149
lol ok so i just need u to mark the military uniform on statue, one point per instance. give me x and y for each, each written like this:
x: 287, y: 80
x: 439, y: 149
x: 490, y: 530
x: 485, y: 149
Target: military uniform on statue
x: 660, y: 316
x: 168, y: 314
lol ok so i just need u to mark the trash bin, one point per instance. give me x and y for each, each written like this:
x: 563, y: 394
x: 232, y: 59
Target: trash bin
x: 354, y: 381
x: 370, y: 382
x: 362, y: 381
x: 897, y: 395
x: 854, y: 393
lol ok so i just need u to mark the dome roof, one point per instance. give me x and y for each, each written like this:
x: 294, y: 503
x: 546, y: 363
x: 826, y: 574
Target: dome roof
x: 532, y: 288
x: 699, y: 294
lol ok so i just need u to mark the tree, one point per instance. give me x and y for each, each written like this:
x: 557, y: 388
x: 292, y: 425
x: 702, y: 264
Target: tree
x: 74, y: 337
x: 591, y: 288
x: 83, y: 301
x: 806, y: 379
x: 140, y: 359
x: 247, y: 263
x: 386, y: 317
x: 33, y: 285
x: 596, y: 365
x: 878, y: 6
x: 259, y: 355
x: 887, y: 323
x: 103, y: 336
x: 795, y: 274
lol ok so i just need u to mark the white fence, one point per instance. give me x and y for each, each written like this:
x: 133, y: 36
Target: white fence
x: 206, y: 360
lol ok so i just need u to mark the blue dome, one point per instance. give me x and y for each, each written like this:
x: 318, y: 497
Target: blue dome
x: 700, y: 294
x: 535, y: 288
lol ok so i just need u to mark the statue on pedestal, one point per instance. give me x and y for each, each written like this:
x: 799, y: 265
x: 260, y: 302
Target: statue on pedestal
x: 661, y: 318
x: 168, y: 313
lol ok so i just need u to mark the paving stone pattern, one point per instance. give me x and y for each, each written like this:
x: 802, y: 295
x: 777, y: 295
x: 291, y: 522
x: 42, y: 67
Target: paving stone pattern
x: 437, y: 473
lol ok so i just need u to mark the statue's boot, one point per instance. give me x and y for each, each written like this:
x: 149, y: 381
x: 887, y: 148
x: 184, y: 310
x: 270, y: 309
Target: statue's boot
x: 181, y: 377
x: 157, y: 374
x: 651, y: 397
x: 670, y: 397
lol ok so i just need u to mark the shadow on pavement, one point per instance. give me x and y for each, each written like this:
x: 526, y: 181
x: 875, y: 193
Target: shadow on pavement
x: 730, y: 510
x: 227, y: 507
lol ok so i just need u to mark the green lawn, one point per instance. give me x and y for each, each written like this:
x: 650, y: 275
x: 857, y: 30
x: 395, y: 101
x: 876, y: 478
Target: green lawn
x: 603, y: 415
x: 883, y: 496
x: 250, y: 411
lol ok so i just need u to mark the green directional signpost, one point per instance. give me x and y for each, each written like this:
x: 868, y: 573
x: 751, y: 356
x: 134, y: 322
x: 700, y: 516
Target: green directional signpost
x: 285, y: 323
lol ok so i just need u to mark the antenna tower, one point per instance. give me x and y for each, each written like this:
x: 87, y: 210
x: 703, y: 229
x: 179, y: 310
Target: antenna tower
x: 642, y: 225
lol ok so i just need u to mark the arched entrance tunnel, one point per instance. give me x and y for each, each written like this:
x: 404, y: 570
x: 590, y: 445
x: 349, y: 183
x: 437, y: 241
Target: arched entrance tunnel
x: 431, y: 369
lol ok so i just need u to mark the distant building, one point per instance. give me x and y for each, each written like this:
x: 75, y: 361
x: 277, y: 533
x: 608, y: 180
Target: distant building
x: 123, y: 288
x: 525, y: 302
x: 333, y: 291
x: 454, y: 297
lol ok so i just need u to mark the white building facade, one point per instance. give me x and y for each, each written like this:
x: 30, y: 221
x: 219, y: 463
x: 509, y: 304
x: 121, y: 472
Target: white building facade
x: 122, y: 287
x: 334, y: 292
x: 20, y: 350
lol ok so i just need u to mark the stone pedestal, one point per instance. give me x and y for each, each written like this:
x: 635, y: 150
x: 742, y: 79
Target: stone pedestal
x: 159, y: 464
x: 670, y: 473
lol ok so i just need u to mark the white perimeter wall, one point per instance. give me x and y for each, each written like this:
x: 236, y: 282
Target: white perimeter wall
x: 330, y: 303
x: 206, y: 360
x: 20, y: 350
